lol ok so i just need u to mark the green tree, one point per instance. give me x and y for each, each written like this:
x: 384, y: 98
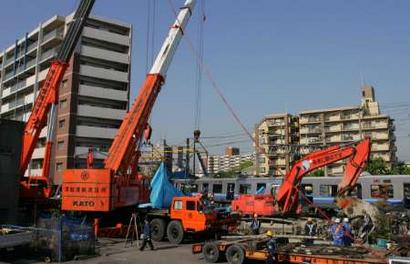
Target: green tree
x: 245, y: 164
x: 377, y: 166
x: 318, y: 172
x: 401, y: 169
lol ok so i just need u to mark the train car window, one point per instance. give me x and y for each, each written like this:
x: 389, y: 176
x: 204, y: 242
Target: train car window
x: 382, y: 191
x: 357, y: 191
x: 230, y: 187
x: 307, y: 189
x: 217, y: 188
x: 230, y: 191
x: 205, y: 187
x: 274, y: 189
x: 190, y: 205
x: 194, y: 188
x: 244, y: 188
x: 261, y: 187
x: 328, y: 190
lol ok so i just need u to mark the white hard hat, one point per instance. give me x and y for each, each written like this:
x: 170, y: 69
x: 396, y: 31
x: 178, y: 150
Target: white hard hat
x: 337, y: 220
x: 345, y: 220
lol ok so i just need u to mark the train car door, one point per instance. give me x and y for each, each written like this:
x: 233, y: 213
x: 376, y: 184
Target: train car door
x: 406, y: 194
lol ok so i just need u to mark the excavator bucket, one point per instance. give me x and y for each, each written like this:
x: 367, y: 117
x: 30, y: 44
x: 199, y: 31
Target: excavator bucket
x: 355, y: 166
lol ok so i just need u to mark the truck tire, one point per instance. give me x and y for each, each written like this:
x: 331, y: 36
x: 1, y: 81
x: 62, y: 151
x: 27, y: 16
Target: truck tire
x: 175, y: 232
x: 158, y: 229
x: 211, y: 253
x: 235, y: 254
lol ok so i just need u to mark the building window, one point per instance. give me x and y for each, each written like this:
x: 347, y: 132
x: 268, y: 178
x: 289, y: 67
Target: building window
x: 59, y: 166
x: 60, y: 144
x: 63, y: 103
x: 61, y: 123
x: 262, y: 170
x: 190, y: 205
x: 63, y: 84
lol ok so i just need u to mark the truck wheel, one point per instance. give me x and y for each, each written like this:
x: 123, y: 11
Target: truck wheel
x: 158, y: 229
x: 211, y: 253
x: 175, y: 232
x: 235, y: 254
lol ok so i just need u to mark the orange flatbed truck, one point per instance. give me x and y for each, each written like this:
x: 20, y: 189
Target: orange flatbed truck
x: 188, y: 216
x: 240, y: 250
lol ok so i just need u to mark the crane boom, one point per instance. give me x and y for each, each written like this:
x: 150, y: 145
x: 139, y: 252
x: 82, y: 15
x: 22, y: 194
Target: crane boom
x: 117, y: 184
x: 48, y: 93
x: 135, y: 121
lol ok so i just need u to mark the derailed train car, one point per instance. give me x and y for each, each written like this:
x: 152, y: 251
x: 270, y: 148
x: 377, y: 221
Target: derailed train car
x: 394, y: 189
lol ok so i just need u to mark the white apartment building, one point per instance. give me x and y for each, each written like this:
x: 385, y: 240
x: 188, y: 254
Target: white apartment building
x: 93, y: 96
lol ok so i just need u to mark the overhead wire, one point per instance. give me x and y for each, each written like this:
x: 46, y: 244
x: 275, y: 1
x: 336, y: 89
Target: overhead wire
x: 214, y: 84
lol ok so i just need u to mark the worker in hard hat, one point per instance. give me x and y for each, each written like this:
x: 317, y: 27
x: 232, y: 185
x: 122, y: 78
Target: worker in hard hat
x: 271, y: 247
x: 255, y: 224
x: 337, y: 232
x: 348, y: 235
x: 310, y: 231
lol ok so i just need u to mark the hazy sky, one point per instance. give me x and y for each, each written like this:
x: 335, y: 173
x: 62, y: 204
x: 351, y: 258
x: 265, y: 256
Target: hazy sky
x: 267, y: 56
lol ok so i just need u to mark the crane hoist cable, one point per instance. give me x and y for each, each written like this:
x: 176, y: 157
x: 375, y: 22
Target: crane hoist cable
x: 198, y: 73
x: 216, y: 87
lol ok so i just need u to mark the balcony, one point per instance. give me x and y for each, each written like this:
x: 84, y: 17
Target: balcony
x: 93, y: 91
x: 380, y: 147
x: 332, y: 118
x: 38, y: 153
x: 106, y: 36
x: 336, y: 128
x: 104, y: 54
x: 51, y: 53
x: 100, y: 112
x: 96, y: 132
x: 102, y: 73
x: 56, y: 33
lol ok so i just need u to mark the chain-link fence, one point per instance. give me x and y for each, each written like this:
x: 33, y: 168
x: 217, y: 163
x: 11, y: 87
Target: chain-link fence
x: 61, y: 238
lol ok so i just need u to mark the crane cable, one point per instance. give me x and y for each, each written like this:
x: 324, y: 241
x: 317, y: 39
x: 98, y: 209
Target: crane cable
x: 214, y: 84
x: 198, y: 73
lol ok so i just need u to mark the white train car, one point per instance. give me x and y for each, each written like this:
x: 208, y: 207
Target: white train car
x: 395, y: 189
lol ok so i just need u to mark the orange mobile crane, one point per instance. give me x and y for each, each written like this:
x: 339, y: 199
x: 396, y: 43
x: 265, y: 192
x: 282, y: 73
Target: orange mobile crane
x: 39, y: 187
x: 287, y: 199
x: 118, y: 183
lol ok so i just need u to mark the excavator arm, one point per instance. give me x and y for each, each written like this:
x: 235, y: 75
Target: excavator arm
x: 288, y: 196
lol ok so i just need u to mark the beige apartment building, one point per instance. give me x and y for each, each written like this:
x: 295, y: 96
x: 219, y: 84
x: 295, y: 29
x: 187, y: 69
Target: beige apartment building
x: 325, y: 127
x: 275, y: 134
x: 346, y: 124
x: 93, y: 96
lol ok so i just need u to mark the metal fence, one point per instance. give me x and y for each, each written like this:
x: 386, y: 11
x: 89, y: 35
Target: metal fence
x: 61, y: 238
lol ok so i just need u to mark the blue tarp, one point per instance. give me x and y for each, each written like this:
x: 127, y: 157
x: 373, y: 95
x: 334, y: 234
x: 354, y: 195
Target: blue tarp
x: 162, y: 190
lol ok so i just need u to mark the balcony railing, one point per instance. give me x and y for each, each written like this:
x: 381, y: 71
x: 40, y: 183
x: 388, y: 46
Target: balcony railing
x: 53, y: 34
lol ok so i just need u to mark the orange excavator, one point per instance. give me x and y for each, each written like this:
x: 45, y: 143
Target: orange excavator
x: 118, y: 184
x: 287, y: 199
x: 39, y: 187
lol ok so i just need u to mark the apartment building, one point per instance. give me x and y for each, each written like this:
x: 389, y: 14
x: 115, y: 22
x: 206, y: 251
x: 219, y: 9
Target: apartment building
x: 274, y: 134
x: 324, y: 127
x: 227, y: 163
x: 93, y: 96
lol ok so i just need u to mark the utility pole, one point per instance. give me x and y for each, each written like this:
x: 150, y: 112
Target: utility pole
x: 187, y: 156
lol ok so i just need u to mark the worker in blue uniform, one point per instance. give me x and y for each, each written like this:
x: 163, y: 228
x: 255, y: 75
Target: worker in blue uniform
x: 146, y: 235
x: 337, y: 231
x: 255, y: 225
x: 348, y: 235
x: 271, y: 247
